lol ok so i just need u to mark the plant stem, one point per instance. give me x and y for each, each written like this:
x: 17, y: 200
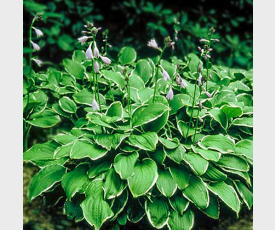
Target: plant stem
x: 129, y: 103
x: 157, y: 65
x: 98, y: 93
x: 26, y: 135
x: 197, y: 119
x: 193, y: 104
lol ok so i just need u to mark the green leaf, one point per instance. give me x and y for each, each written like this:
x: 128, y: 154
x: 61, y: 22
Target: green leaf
x: 194, y: 62
x: 57, y: 109
x: 179, y: 203
x: 136, y: 82
x: 219, y: 142
x: 44, y: 180
x: 233, y: 162
x: 181, y: 222
x: 63, y: 151
x: 144, y: 70
x: 73, y: 211
x: 115, y: 77
x: 180, y: 175
x: 175, y: 154
x: 169, y: 144
x: 144, y: 178
x: 219, y: 116
x: 98, y: 167
x: 113, y: 185
x: 245, y: 148
x: 64, y: 139
x: 245, y: 193
x: 96, y: 211
x: 179, y: 101
x: 82, y: 149
x: 110, y: 141
x: 119, y: 204
x: 127, y: 55
x: 213, y: 209
x: 74, y: 68
x: 158, y: 156
x: 183, y: 128
x: 227, y: 194
x: 67, y: 105
x: 197, y: 163
x: 197, y: 192
x: 243, y: 121
x: 75, y: 181
x: 115, y: 110
x: 207, y: 154
x: 214, y: 174
x: 135, y: 211
x: 46, y: 119
x: 165, y: 183
x: 232, y: 111
x: 148, y: 113
x: 145, y: 94
x: 95, y: 189
x: 157, y: 212
x: 124, y: 164
x: 244, y: 175
x: 146, y: 141
x: 79, y: 56
x: 42, y: 154
x: 96, y: 119
x: 84, y: 97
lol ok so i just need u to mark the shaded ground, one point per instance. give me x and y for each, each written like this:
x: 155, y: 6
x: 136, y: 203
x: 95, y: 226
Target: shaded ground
x: 38, y: 217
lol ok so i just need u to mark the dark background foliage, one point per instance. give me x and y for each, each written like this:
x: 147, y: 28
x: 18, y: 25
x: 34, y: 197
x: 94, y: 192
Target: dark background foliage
x: 133, y: 23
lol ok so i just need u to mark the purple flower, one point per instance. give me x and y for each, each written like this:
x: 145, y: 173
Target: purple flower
x: 199, y: 80
x: 183, y: 84
x: 200, y: 105
x: 152, y: 43
x: 83, y: 39
x: 38, y: 32
x: 199, y: 68
x: 95, y: 105
x: 170, y: 94
x: 208, y: 94
x: 106, y: 60
x: 89, y: 53
x: 165, y: 75
x: 96, y: 51
x: 96, y: 67
x: 204, y: 40
x: 35, y: 46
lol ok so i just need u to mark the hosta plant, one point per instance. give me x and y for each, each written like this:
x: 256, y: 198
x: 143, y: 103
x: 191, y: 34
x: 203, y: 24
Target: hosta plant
x: 149, y: 138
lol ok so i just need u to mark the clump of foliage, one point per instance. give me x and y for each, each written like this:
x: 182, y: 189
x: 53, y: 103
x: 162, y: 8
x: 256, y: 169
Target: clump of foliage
x: 133, y: 139
x: 64, y: 21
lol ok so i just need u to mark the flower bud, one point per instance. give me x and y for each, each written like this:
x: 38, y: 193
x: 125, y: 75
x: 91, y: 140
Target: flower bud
x: 200, y: 105
x: 208, y: 94
x: 152, y: 43
x: 199, y: 79
x: 200, y: 119
x: 35, y: 46
x: 215, y: 40
x: 89, y: 53
x: 170, y: 94
x: 204, y: 40
x: 183, y: 84
x: 38, y: 32
x: 199, y: 48
x: 96, y: 51
x: 95, y: 105
x: 165, y: 75
x: 83, y: 39
x: 105, y: 60
x: 199, y: 68
x: 38, y: 62
x: 96, y: 67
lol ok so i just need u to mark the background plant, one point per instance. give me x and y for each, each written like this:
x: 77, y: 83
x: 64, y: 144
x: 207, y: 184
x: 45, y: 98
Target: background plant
x: 162, y: 155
